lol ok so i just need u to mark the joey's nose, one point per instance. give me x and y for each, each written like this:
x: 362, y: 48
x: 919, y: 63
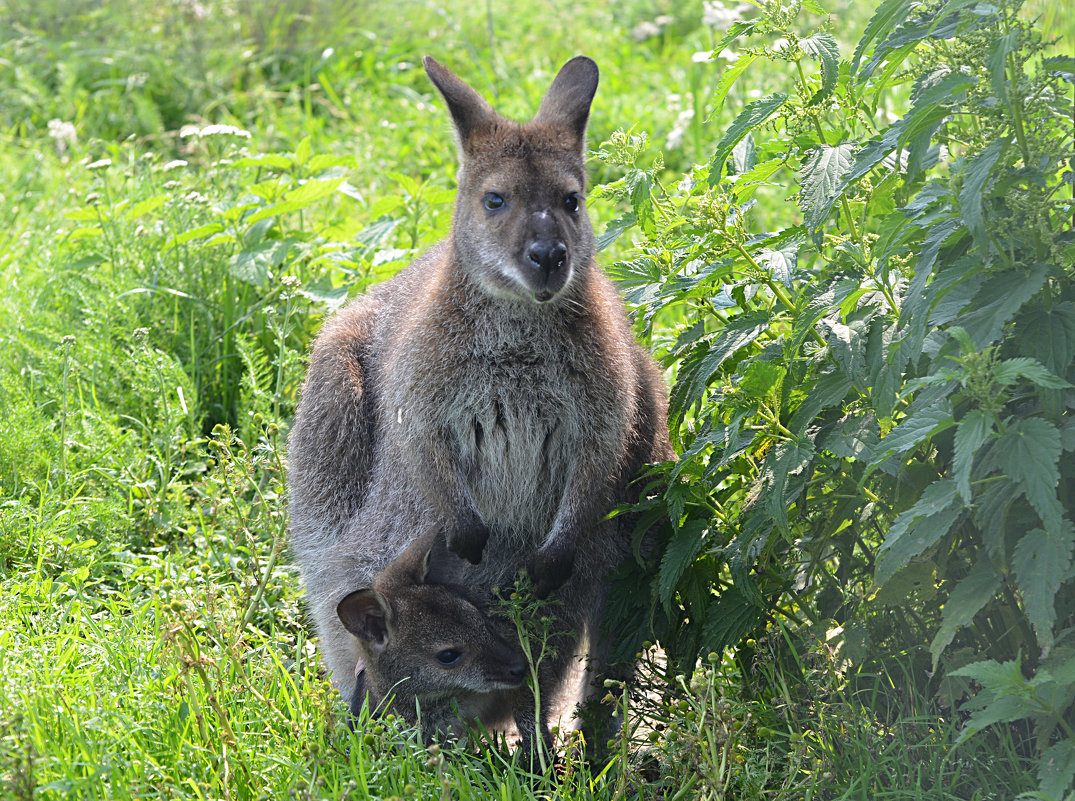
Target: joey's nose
x: 548, y: 255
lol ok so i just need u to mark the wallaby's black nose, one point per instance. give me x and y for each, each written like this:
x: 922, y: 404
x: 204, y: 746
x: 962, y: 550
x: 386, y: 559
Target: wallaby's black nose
x: 517, y: 670
x: 548, y: 255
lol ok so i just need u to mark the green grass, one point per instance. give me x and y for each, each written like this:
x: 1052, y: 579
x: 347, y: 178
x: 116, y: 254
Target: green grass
x: 152, y: 637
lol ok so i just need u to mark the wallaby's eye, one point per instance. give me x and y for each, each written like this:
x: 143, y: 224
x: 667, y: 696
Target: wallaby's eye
x: 492, y: 201
x: 448, y: 657
x: 571, y: 202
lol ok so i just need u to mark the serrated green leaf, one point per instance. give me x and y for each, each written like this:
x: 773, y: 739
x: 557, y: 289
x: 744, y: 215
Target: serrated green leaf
x: 919, y: 528
x: 824, y: 48
x: 324, y: 161
x: 886, y: 15
x: 1031, y: 453
x: 736, y: 30
x: 975, y: 177
x: 753, y: 115
x: 941, y: 21
x: 991, y: 508
x: 781, y: 263
x: 1060, y: 65
x: 696, y: 372
x: 275, y: 210
x: 821, y: 180
x: 964, y: 602
x: 729, y: 618
x: 1042, y: 562
x: 1049, y: 334
x: 729, y: 76
x: 313, y: 189
x: 760, y: 379
x: 201, y: 232
x: 998, y: 301
x: 685, y: 545
x: 997, y: 61
x: 910, y: 587
x: 614, y: 229
x: 787, y: 459
x: 974, y: 429
x: 1009, y: 371
x: 745, y: 184
x: 1002, y: 678
x: 303, y: 152
x: 145, y: 206
x: 254, y: 264
x: 639, y: 185
x: 914, y: 430
x: 1056, y: 769
x: 829, y: 390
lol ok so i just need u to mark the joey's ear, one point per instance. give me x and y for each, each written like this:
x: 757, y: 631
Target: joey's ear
x: 469, y: 110
x: 409, y: 569
x: 365, y: 613
x: 440, y: 563
x: 567, y: 103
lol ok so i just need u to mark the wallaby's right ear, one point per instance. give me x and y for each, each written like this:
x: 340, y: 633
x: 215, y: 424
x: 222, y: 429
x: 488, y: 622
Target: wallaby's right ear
x: 364, y: 613
x: 469, y: 110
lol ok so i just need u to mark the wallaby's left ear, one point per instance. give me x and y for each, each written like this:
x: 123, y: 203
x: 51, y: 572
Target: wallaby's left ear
x: 470, y: 111
x: 567, y: 103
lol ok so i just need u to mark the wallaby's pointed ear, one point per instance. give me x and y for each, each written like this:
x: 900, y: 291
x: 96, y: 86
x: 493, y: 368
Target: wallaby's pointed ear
x: 439, y: 561
x: 364, y: 613
x: 567, y: 103
x: 411, y: 567
x: 470, y: 111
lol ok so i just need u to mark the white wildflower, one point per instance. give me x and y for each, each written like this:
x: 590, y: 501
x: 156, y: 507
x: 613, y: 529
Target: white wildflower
x: 174, y: 164
x: 99, y: 164
x: 679, y: 128
x: 223, y: 130
x: 720, y: 15
x: 195, y: 9
x: 64, y: 133
x: 645, y: 30
x: 701, y: 56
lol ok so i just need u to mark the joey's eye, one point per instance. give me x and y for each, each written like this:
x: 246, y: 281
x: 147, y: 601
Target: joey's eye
x: 571, y: 202
x: 492, y: 201
x: 448, y: 657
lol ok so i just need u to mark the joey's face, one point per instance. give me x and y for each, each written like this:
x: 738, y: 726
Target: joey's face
x: 521, y: 224
x: 445, y: 645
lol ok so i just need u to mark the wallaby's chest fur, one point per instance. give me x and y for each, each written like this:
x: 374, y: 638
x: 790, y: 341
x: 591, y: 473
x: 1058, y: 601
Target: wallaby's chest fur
x: 515, y: 390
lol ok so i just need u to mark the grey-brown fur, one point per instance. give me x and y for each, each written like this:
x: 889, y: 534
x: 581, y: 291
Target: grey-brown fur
x: 492, y: 389
x: 426, y: 646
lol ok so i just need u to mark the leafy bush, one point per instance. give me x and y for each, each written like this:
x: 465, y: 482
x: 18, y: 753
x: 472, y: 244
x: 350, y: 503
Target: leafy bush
x: 872, y: 390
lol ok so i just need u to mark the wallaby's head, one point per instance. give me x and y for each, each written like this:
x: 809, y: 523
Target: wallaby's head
x: 424, y: 638
x: 521, y: 230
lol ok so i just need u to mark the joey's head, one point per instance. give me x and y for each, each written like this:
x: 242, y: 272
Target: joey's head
x: 521, y: 230
x: 425, y: 639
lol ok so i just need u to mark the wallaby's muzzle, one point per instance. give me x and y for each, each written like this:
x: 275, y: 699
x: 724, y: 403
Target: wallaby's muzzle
x: 546, y: 254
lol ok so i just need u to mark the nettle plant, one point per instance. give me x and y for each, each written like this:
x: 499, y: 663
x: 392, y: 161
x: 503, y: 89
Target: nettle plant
x: 872, y: 386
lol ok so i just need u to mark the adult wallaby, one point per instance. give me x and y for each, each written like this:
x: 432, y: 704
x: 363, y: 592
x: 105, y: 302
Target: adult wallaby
x: 428, y: 646
x: 492, y: 389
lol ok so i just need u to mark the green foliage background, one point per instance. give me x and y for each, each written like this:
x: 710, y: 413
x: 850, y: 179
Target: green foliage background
x: 848, y: 238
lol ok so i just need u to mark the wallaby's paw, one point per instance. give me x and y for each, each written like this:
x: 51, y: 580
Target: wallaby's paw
x: 469, y: 542
x: 549, y: 568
